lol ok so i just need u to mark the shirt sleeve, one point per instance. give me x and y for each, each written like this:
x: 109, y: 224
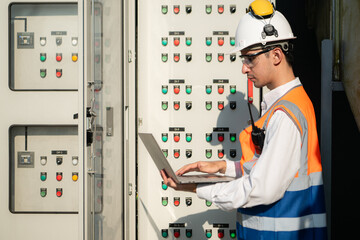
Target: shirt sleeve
x: 271, y: 175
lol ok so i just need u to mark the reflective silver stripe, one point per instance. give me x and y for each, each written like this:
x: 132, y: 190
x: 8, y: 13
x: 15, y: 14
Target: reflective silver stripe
x: 282, y: 224
x: 305, y: 181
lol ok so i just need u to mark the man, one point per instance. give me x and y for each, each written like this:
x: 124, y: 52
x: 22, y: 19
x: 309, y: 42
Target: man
x: 278, y: 189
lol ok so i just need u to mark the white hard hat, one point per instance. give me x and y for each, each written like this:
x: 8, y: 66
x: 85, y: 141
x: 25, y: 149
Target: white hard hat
x: 254, y: 29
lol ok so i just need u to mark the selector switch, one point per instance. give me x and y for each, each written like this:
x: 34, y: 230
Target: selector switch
x: 188, y: 153
x: 59, y: 160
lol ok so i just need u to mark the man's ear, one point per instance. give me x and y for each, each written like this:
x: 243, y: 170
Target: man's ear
x: 278, y: 56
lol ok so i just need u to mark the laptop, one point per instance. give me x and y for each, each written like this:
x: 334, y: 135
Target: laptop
x: 162, y: 164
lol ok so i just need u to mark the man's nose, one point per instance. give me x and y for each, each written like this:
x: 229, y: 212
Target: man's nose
x: 245, y: 69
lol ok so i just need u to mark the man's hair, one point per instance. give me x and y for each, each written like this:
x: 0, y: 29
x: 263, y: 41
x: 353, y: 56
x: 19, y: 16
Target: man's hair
x: 287, y: 48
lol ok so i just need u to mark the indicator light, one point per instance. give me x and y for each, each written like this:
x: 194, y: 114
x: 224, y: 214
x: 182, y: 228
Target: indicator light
x: 164, y: 105
x: 43, y: 192
x: 208, y: 137
x: 164, y: 57
x: 43, y: 160
x: 221, y: 137
x: 164, y: 233
x: 74, y: 57
x: 232, y: 105
x: 43, y: 41
x: 188, y: 9
x: 74, y: 41
x: 42, y: 73
x: 221, y: 89
x: 208, y: 233
x: 188, y: 137
x: 232, y: 89
x: 164, y: 201
x: 58, y: 73
x: 75, y: 161
x: 221, y: 233
x: 164, y: 137
x: 188, y: 89
x: 220, y: 41
x: 208, y: 105
x: 176, y: 9
x: 232, y: 57
x: 188, y: 153
x: 176, y: 41
x: 188, y: 41
x: 164, y: 9
x: 176, y: 153
x: 59, y: 176
x: 164, y: 186
x: 188, y: 105
x: 75, y: 176
x: 164, y: 89
x: 164, y: 41
x: 220, y: 57
x: 208, y: 89
x: 59, y: 192
x: 208, y: 153
x: 220, y: 153
x: 232, y: 8
x: 220, y: 105
x: 176, y: 89
x: 221, y: 9
x: 176, y: 233
x: 208, y: 9
x: 208, y: 57
x: 176, y: 137
x: 176, y: 201
x: 176, y: 105
x: 232, y: 41
x: 176, y: 57
x: 208, y: 203
x: 43, y: 57
x: 165, y: 152
x: 233, y: 233
x: 232, y: 137
x: 43, y: 176
x: 58, y: 57
x: 208, y: 41
x: 188, y: 233
x: 232, y: 153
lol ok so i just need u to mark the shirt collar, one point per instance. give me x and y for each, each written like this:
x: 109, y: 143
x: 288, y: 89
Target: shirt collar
x: 271, y: 97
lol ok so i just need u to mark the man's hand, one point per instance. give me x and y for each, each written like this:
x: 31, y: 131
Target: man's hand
x: 190, y: 187
x: 204, y: 167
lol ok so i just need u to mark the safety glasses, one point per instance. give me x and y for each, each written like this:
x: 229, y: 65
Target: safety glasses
x: 249, y: 59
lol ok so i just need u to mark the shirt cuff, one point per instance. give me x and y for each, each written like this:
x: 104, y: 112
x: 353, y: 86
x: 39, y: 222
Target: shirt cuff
x: 230, y: 168
x: 203, y: 191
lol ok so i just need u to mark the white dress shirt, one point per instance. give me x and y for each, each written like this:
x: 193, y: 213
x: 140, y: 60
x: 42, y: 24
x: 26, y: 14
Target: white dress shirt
x: 274, y: 170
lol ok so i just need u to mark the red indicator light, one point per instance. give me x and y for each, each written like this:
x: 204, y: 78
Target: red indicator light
x: 220, y: 9
x: 176, y: 154
x: 176, y: 90
x: 176, y: 57
x: 58, y: 192
x: 176, y: 233
x: 176, y: 138
x: 176, y: 106
x: 221, y: 57
x: 221, y: 154
x: 58, y: 57
x: 220, y: 106
x: 58, y: 73
x: 221, y: 137
x: 176, y: 9
x: 59, y: 176
x: 220, y: 90
x: 221, y: 41
x: 176, y: 41
x: 177, y: 203
x: 220, y: 234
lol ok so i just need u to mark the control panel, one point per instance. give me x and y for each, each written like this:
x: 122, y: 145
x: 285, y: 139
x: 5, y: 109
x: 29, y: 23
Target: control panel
x: 43, y: 47
x: 193, y: 98
x: 44, y: 169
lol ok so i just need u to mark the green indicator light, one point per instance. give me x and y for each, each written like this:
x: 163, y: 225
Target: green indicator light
x: 208, y: 154
x: 164, y: 9
x: 43, y: 193
x: 42, y: 73
x: 164, y: 202
x: 232, y: 90
x: 232, y: 42
x: 188, y: 234
x: 208, y: 138
x: 208, y: 58
x: 233, y: 235
x: 208, y: 106
x: 188, y: 90
x: 208, y: 203
x: 188, y: 41
x: 164, y: 186
x: 208, y: 234
x: 208, y: 9
x: 164, y: 57
x: 233, y: 138
x: 164, y: 138
x: 208, y: 90
x: 208, y: 42
x: 164, y: 90
x: 164, y: 106
x: 43, y: 177
x: 42, y: 58
x: 164, y: 234
x: 188, y: 138
x: 165, y: 153
x: 164, y: 42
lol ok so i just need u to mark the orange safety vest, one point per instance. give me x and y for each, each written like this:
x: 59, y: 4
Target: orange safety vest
x: 300, y: 214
